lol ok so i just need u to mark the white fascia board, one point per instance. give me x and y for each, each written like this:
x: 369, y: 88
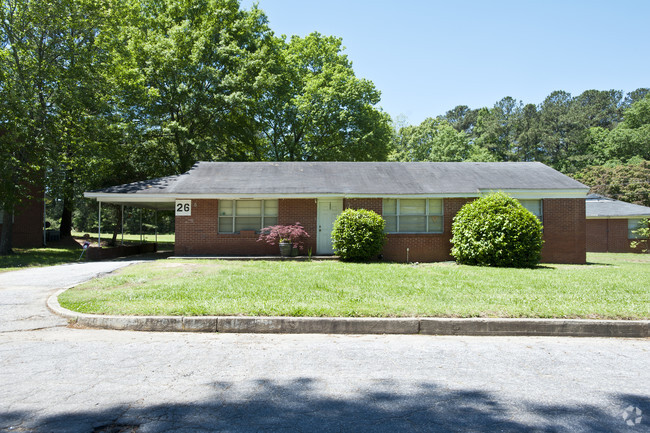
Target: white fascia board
x: 626, y: 217
x: 539, y: 194
x: 128, y: 198
x: 161, y: 198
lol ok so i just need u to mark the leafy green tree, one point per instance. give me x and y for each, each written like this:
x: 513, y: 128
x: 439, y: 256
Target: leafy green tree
x: 635, y: 95
x: 597, y: 108
x: 432, y: 140
x: 55, y: 92
x: 188, y: 73
x: 462, y: 118
x: 83, y: 113
x: 435, y: 140
x: 629, y: 139
x: 317, y: 109
x: 33, y: 63
x: 643, y: 234
x: 625, y: 182
x: 527, y: 135
x: 496, y: 128
x: 556, y: 129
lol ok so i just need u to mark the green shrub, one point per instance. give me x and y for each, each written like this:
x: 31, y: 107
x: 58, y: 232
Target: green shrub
x: 358, y: 234
x: 496, y: 230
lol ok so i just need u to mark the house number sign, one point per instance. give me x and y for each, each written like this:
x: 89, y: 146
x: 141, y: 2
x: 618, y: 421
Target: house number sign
x: 183, y: 208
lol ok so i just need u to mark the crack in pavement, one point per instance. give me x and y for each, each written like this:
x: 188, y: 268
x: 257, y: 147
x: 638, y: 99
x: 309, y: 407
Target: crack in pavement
x: 42, y: 328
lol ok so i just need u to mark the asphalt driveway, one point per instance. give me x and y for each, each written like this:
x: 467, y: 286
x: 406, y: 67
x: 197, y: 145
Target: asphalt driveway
x: 58, y: 379
x: 23, y: 293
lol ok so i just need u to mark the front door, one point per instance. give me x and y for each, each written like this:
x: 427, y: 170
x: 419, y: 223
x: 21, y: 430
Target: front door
x: 328, y: 210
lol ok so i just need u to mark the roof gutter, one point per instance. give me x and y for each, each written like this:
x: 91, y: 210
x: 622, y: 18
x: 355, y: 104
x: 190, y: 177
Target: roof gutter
x: 171, y: 197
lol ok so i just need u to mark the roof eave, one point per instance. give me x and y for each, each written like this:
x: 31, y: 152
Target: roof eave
x: 171, y: 197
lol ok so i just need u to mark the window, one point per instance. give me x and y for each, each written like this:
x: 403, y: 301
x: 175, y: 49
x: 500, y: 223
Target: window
x: 535, y: 207
x: 413, y: 215
x: 238, y: 215
x: 634, y: 224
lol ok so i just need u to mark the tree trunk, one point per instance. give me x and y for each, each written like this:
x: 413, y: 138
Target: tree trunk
x: 117, y: 227
x: 68, y: 207
x: 66, y: 220
x: 7, y: 232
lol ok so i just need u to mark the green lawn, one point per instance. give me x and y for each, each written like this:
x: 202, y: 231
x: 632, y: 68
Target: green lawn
x: 610, y: 286
x: 164, y: 240
x: 30, y: 257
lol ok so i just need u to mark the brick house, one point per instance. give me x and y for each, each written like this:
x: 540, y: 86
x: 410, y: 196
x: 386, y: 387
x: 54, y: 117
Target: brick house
x: 28, y: 222
x: 221, y: 206
x: 611, y: 224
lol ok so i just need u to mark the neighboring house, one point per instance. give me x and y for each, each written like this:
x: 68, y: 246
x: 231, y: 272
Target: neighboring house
x: 223, y: 205
x: 28, y: 222
x: 611, y: 224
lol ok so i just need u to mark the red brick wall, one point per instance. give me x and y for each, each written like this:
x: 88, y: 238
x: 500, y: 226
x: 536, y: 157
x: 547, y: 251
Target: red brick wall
x: 609, y: 235
x: 28, y: 223
x: 597, y: 235
x: 373, y: 204
x: 433, y: 247
x: 564, y: 233
x: 303, y: 211
x: 565, y: 238
x: 198, y: 234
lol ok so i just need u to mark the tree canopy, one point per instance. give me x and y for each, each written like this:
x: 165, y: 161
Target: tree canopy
x: 99, y: 92
x: 566, y: 132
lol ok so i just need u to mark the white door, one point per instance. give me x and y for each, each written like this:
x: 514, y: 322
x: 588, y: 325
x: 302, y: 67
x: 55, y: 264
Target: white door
x: 328, y: 210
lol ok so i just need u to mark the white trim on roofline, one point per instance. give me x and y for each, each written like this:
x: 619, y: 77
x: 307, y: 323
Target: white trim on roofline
x: 626, y: 217
x: 170, y: 197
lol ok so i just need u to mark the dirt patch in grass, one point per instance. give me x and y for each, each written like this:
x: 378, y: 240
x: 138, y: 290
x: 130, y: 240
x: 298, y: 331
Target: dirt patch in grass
x: 167, y: 265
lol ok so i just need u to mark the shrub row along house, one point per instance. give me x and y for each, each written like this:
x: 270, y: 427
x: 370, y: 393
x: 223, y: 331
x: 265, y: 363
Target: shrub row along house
x: 222, y: 206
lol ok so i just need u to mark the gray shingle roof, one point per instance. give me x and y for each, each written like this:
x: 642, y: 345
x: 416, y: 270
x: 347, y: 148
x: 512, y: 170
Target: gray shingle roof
x: 599, y: 206
x: 363, y: 178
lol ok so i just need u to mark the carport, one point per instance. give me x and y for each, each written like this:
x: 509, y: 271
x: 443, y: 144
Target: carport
x: 139, y: 195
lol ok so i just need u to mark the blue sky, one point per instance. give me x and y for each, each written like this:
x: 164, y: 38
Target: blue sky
x: 426, y: 57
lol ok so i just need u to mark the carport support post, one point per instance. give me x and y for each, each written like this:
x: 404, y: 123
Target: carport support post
x: 44, y: 217
x: 155, y: 223
x: 140, y: 225
x: 122, y: 242
x: 99, y: 226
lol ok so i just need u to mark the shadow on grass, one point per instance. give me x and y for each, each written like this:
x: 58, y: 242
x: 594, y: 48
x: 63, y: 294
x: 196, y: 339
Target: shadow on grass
x: 29, y: 257
x: 298, y: 405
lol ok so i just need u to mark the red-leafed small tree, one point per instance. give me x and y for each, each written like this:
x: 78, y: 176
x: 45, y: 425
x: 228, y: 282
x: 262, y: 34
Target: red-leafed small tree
x: 294, y: 233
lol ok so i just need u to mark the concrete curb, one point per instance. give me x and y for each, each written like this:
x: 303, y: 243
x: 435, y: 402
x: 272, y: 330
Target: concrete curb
x: 344, y: 325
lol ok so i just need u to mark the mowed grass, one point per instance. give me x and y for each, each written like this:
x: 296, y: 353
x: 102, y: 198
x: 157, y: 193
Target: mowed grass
x: 610, y: 286
x: 31, y: 257
x: 164, y: 240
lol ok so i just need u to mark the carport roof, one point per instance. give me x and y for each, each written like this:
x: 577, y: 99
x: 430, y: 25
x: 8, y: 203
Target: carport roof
x: 598, y: 206
x: 349, y: 179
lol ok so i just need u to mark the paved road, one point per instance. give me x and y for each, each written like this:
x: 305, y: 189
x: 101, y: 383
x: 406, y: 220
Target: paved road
x: 57, y: 379
x: 23, y: 293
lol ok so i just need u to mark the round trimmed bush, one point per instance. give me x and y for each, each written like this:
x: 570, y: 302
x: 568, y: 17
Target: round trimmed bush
x: 496, y: 230
x: 358, y: 235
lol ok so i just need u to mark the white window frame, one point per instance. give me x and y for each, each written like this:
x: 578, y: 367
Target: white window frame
x: 427, y: 215
x: 234, y: 215
x: 636, y: 222
x: 540, y: 217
